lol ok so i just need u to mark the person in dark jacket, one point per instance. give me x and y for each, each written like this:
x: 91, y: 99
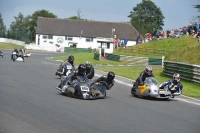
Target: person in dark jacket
x: 107, y: 80
x: 89, y: 70
x: 70, y: 60
x: 174, y: 85
x: 15, y: 50
x: 21, y: 54
x: 143, y: 75
x: 80, y: 72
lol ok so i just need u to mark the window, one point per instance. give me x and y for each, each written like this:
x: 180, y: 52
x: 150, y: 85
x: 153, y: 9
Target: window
x: 69, y: 38
x: 89, y: 39
x: 45, y: 37
x: 106, y: 45
x: 50, y: 36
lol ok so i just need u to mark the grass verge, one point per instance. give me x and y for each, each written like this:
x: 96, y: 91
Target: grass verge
x: 10, y: 46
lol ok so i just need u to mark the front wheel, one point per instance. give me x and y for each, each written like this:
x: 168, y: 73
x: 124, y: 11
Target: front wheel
x: 14, y: 57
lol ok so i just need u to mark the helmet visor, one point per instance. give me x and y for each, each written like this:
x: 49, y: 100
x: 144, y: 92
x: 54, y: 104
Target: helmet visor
x: 149, y: 72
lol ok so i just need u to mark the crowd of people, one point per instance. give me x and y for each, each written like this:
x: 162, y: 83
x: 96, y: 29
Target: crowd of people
x: 192, y: 30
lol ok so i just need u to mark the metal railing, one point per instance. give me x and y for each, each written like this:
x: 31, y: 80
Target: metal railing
x: 144, y: 51
x: 187, y: 71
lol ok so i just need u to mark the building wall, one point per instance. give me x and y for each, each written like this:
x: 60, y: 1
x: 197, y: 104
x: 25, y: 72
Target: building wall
x: 81, y: 42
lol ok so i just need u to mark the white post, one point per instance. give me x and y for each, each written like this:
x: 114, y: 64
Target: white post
x: 163, y: 58
x: 99, y: 53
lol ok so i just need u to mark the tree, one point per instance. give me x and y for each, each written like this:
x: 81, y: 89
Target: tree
x: 198, y: 7
x: 2, y: 27
x: 20, y: 27
x: 146, y: 16
x: 34, y: 18
x: 18, y: 24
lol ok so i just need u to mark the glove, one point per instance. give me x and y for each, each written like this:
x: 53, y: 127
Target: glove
x: 142, y: 83
x: 69, y: 82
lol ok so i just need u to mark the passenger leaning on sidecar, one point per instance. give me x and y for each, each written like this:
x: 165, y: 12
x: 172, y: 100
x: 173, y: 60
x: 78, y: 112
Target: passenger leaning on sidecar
x: 108, y: 80
x: 21, y: 53
x: 143, y: 75
x: 73, y: 76
x: 174, y: 85
x: 89, y: 70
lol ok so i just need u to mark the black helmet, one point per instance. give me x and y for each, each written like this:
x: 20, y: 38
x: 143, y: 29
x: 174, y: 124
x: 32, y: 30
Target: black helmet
x: 110, y: 76
x: 87, y: 64
x: 81, y: 69
x: 176, y: 78
x: 71, y: 59
x: 148, y: 70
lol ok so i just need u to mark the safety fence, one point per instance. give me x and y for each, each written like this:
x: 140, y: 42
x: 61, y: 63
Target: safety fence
x: 68, y: 49
x: 96, y: 56
x: 144, y: 51
x: 187, y: 71
x: 132, y: 59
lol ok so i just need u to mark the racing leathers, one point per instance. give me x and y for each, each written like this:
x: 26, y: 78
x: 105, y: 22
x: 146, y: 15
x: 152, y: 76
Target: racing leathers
x: 90, y: 72
x: 140, y: 80
x: 21, y: 53
x: 173, y: 87
x: 15, y: 50
x: 60, y: 70
x: 103, y: 79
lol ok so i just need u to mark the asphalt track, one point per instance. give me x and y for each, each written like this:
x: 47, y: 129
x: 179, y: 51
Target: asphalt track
x: 29, y: 103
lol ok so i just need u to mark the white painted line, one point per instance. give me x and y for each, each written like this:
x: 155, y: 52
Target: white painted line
x: 184, y: 100
x: 50, y: 63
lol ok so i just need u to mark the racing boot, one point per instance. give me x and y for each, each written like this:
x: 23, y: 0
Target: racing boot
x: 58, y: 88
x: 70, y: 90
x: 95, y: 92
x: 133, y: 89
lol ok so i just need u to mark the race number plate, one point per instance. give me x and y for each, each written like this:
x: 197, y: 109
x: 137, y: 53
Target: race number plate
x: 85, y: 88
x: 69, y: 67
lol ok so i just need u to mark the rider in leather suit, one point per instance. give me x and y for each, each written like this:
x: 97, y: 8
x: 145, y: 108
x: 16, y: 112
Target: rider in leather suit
x: 174, y: 84
x: 143, y: 75
x: 72, y: 76
x: 107, y: 80
x: 89, y: 70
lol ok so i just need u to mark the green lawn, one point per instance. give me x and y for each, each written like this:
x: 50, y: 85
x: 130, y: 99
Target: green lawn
x: 10, y: 46
x: 185, y: 49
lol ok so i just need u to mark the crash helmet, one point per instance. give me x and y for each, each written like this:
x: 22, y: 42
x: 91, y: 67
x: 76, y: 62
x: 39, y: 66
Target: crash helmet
x: 110, y: 75
x: 148, y: 70
x: 176, y: 78
x: 71, y: 59
x: 81, y: 69
x: 87, y: 64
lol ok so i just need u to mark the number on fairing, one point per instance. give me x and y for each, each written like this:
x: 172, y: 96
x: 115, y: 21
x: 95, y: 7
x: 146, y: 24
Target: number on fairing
x: 69, y: 67
x: 84, y: 88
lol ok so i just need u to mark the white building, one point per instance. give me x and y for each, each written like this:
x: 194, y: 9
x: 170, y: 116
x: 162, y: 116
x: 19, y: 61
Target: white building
x: 53, y: 32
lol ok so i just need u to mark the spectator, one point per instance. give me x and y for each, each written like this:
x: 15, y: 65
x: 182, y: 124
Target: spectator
x: 116, y: 42
x: 138, y: 38
x: 197, y: 26
x: 198, y: 35
x: 125, y: 42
